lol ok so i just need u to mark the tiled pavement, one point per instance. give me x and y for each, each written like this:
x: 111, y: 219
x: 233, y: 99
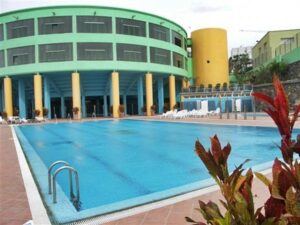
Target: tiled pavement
x: 14, y: 208
x: 175, y: 214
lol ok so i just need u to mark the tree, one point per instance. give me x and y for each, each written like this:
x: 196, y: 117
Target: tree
x: 239, y: 65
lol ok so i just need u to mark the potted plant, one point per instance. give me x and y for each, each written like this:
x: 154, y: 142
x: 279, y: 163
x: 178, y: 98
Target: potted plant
x: 121, y: 110
x: 4, y: 115
x: 175, y: 107
x: 45, y: 112
x: 75, y: 112
x: 153, y: 110
x: 37, y: 112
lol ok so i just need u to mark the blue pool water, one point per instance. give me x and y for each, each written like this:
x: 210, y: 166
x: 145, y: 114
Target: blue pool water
x: 119, y: 160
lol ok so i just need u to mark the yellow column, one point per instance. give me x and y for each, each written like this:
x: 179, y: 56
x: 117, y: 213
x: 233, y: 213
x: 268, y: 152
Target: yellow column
x: 184, y: 84
x: 149, y: 93
x: 76, y: 95
x: 172, y: 91
x: 38, y: 94
x: 115, y: 93
x: 8, y: 103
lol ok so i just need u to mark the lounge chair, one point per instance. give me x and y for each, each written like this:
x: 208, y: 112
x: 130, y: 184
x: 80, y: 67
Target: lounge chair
x: 39, y: 119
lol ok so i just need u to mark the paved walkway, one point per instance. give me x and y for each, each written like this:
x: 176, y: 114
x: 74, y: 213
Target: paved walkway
x: 14, y: 208
x: 175, y: 214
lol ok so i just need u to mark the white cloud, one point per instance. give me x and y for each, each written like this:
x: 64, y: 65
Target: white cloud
x: 233, y: 15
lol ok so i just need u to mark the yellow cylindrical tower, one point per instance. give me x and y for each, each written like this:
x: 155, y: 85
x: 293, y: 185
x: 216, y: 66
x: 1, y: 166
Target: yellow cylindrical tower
x: 149, y: 93
x: 76, y: 95
x: 172, y: 91
x: 8, y: 102
x: 115, y: 94
x: 210, y: 56
x: 38, y: 93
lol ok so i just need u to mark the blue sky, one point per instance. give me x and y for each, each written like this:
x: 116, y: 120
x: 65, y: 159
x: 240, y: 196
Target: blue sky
x: 245, y: 20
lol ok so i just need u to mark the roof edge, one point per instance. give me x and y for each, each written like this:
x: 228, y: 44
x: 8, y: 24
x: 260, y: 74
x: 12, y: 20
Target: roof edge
x: 92, y: 6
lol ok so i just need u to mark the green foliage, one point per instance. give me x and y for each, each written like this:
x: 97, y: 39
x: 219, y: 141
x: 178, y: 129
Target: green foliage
x: 239, y: 65
x: 264, y: 74
x: 283, y: 205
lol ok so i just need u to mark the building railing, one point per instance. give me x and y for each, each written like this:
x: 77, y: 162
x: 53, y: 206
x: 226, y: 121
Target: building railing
x: 231, y: 90
x: 288, y: 46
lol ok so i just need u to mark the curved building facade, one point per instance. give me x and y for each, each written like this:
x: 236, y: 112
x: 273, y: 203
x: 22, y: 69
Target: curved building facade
x: 91, y: 58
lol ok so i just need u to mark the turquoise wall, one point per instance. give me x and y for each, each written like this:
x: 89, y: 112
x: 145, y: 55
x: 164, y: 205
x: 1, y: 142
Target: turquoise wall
x: 88, y: 37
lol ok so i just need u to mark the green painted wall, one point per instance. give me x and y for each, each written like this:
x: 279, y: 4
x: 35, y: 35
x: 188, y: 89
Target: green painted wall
x: 264, y: 50
x: 76, y: 37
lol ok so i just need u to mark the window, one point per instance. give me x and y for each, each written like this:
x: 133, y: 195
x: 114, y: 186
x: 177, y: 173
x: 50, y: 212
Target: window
x: 131, y: 27
x: 94, y: 51
x: 159, y: 32
x: 287, y: 40
x: 55, y: 25
x: 20, y: 28
x: 94, y: 24
x: 128, y: 52
x: 1, y: 32
x: 21, y: 55
x: 2, y: 62
x: 56, y: 52
x: 177, y: 39
x: 177, y: 60
x: 161, y: 56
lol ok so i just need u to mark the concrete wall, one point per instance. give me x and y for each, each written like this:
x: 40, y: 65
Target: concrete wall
x: 292, y: 88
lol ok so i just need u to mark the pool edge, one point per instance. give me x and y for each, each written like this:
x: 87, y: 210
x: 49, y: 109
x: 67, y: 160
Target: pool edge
x: 37, y: 208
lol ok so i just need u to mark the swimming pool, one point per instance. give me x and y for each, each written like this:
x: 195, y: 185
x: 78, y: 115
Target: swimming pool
x: 123, y: 163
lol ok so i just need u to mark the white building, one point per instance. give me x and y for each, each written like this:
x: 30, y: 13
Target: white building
x: 242, y: 50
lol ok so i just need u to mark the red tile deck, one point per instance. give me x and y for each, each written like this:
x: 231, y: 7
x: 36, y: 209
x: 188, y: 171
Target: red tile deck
x: 14, y: 208
x: 175, y: 214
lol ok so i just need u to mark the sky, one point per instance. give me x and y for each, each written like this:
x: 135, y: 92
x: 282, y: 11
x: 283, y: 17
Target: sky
x: 246, y: 21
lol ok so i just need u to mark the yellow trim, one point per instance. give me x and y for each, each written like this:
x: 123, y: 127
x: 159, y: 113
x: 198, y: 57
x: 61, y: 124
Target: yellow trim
x: 115, y: 94
x: 38, y: 93
x: 76, y: 95
x: 149, y: 93
x: 8, y: 101
x: 172, y: 91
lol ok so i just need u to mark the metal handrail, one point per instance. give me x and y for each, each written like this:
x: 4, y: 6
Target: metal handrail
x: 49, y: 173
x: 71, y: 169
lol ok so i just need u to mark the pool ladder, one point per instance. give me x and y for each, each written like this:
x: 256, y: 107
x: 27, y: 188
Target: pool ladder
x: 52, y: 182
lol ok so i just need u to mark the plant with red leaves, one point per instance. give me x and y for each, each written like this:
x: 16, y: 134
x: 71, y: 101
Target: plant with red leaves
x: 283, y: 205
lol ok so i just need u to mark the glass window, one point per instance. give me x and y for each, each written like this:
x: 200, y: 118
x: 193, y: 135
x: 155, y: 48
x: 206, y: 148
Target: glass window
x: 94, y: 51
x: 128, y: 52
x: 56, y: 52
x: 161, y: 56
x: 94, y: 24
x: 55, y: 25
x: 2, y: 59
x: 20, y: 28
x: 131, y: 27
x: 178, y: 60
x: 177, y: 39
x: 159, y: 32
x: 1, y: 32
x: 21, y: 55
